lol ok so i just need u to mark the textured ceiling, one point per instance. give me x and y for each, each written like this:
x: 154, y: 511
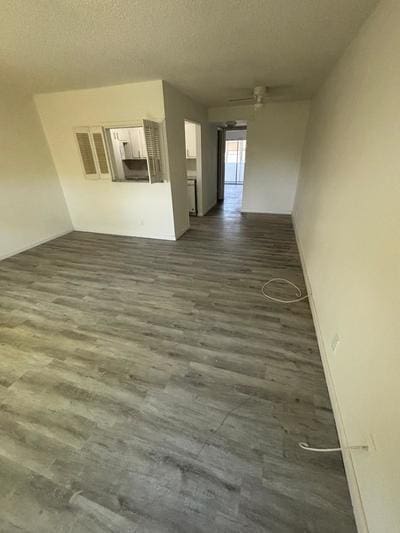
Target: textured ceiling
x: 210, y: 49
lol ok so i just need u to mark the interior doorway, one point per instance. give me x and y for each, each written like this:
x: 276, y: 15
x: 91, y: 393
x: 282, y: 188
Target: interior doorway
x: 193, y: 167
x: 232, y: 156
x: 235, y: 156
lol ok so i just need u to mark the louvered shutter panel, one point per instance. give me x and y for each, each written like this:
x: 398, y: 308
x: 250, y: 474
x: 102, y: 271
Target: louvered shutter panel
x: 153, y: 147
x: 86, y: 151
x: 100, y: 151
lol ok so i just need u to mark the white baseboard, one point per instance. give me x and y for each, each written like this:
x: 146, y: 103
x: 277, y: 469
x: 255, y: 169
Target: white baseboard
x: 255, y: 212
x: 355, y: 495
x: 208, y: 209
x: 34, y: 244
x: 179, y: 234
x: 164, y: 237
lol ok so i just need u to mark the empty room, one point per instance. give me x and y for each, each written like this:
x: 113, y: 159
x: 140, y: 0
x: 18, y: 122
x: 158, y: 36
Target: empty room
x: 199, y: 266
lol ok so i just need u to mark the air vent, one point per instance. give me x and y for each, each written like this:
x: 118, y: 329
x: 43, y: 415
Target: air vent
x: 100, y: 152
x: 93, y: 153
x: 85, y: 149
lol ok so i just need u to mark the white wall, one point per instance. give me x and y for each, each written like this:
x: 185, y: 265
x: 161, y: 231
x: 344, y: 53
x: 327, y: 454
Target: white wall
x: 32, y: 205
x: 275, y: 138
x: 178, y: 108
x: 347, y: 215
x: 274, y: 145
x: 229, y: 113
x: 137, y: 209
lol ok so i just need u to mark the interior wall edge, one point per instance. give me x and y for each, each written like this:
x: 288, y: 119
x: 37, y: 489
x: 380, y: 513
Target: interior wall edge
x: 178, y: 109
x: 50, y: 151
x: 358, y: 508
x: 178, y: 234
x: 208, y: 209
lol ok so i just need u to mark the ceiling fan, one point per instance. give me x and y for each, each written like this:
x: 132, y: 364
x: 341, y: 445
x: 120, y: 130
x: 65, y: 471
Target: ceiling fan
x: 259, y: 95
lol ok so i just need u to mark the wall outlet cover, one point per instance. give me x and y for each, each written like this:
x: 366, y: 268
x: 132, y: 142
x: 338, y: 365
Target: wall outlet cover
x: 371, y: 443
x: 334, y: 342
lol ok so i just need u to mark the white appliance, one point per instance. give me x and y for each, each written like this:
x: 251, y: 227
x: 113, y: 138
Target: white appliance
x: 192, y: 196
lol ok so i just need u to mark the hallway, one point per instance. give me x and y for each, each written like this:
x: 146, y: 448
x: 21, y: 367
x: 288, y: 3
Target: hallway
x: 232, y: 203
x: 148, y: 387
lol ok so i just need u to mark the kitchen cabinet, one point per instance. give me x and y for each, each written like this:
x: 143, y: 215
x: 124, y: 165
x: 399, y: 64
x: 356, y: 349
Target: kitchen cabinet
x: 136, y: 152
x: 190, y: 140
x: 132, y: 143
x: 122, y: 134
x: 138, y: 143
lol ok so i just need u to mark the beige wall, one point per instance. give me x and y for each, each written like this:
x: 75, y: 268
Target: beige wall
x: 228, y: 113
x: 275, y: 140
x: 137, y: 209
x: 178, y: 108
x: 347, y: 215
x: 274, y: 145
x: 32, y: 205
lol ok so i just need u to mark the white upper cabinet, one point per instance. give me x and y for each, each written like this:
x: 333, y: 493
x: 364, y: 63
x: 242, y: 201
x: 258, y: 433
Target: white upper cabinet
x: 123, y: 134
x: 132, y: 142
x: 190, y: 140
x: 138, y: 143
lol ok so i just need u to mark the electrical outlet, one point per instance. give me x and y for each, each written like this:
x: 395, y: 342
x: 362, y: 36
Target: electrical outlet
x: 371, y: 443
x: 334, y: 342
x: 366, y: 444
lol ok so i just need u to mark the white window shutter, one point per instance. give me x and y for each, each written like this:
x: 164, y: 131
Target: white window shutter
x: 93, y: 152
x: 103, y: 166
x: 85, y: 146
x: 153, y: 147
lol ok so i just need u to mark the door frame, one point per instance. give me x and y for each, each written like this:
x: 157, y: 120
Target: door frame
x: 199, y: 164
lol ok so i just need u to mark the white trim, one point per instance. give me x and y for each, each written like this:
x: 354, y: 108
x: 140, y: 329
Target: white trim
x: 36, y: 243
x: 358, y: 508
x: 209, y: 208
x: 179, y: 234
x: 165, y: 237
x: 256, y: 212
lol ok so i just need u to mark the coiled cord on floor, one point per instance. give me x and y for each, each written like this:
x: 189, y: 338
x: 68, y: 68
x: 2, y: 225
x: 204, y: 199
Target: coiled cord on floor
x: 299, y: 294
x: 308, y: 448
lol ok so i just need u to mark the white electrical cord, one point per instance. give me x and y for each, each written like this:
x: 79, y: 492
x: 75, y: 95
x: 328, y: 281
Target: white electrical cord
x: 307, y: 447
x: 300, y: 297
x: 299, y: 294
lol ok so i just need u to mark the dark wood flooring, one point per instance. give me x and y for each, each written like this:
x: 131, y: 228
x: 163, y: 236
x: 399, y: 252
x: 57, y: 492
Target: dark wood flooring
x: 146, y: 386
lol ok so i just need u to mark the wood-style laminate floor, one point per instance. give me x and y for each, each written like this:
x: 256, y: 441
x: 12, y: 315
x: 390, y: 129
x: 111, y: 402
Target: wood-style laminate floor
x: 146, y: 386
